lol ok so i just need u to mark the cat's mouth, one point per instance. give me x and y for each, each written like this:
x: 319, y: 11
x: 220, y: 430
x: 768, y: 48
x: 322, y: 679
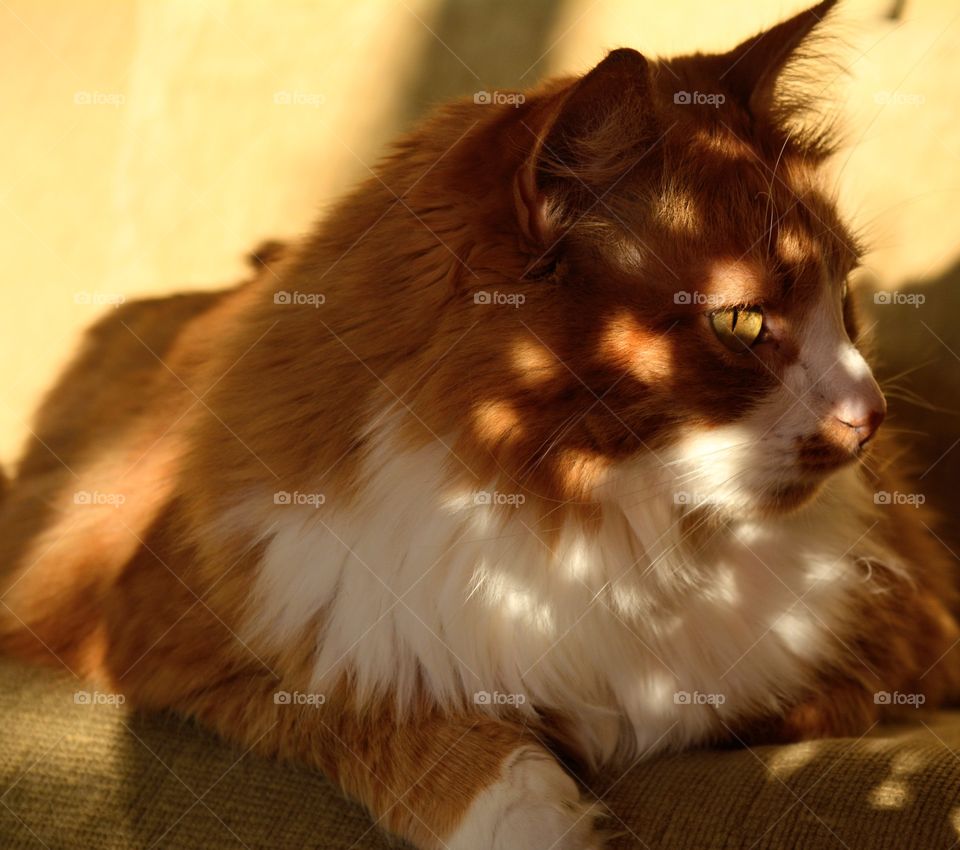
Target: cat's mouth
x: 817, y: 456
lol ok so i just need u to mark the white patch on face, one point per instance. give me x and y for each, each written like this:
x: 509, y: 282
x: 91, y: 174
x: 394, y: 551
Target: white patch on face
x: 737, y: 466
x: 852, y: 363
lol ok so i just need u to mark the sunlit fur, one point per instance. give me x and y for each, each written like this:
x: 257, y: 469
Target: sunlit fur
x: 506, y: 455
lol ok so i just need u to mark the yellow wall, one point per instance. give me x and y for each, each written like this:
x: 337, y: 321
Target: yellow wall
x: 183, y: 159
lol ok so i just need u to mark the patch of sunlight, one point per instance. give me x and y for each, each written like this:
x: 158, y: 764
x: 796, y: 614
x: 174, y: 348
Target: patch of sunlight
x: 644, y: 351
x: 955, y: 820
x: 750, y: 533
x: 907, y: 761
x: 534, y: 363
x: 517, y: 602
x: 725, y: 587
x: 890, y: 794
x: 495, y: 421
x: 657, y: 693
x: 716, y: 452
x: 894, y: 792
x: 524, y: 605
x: 460, y: 500
x: 576, y: 558
x: 481, y: 520
x: 677, y: 209
x: 626, y: 600
x: 785, y: 761
x: 796, y: 631
x: 824, y: 570
x: 582, y: 472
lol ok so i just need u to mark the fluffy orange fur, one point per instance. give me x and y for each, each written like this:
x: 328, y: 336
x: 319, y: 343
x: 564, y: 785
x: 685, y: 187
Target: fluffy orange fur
x: 182, y: 405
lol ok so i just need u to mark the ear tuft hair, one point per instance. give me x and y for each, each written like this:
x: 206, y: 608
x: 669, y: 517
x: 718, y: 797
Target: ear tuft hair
x: 755, y: 65
x: 777, y: 77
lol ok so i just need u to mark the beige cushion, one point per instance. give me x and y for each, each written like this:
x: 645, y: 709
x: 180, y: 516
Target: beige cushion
x: 75, y: 775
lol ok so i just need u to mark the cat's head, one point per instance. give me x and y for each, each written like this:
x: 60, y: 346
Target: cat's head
x: 686, y: 300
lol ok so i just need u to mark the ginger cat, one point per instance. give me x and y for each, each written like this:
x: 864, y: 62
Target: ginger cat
x: 553, y: 441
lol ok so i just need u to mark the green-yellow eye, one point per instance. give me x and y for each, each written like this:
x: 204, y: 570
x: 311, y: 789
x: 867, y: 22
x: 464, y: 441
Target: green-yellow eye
x: 737, y: 327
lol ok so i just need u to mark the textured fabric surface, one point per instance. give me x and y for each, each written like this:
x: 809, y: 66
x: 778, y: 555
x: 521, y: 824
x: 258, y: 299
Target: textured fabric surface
x: 82, y: 775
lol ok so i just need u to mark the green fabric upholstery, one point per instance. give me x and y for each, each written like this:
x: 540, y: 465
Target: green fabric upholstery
x: 75, y: 775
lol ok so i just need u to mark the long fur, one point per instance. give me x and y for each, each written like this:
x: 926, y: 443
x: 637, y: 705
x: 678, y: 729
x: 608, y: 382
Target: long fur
x: 464, y: 481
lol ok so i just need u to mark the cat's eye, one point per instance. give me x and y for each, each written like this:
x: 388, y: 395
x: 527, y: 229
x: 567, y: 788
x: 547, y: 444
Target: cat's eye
x: 738, y: 328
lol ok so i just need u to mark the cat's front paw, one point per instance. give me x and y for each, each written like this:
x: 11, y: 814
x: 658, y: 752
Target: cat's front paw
x: 534, y: 805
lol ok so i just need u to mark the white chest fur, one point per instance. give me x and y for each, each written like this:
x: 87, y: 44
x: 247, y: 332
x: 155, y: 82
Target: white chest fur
x: 643, y: 641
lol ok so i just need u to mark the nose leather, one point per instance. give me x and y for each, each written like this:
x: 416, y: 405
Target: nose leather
x: 864, y: 427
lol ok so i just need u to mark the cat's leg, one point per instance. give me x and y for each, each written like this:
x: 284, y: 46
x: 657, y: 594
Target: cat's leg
x: 441, y: 782
x: 532, y: 803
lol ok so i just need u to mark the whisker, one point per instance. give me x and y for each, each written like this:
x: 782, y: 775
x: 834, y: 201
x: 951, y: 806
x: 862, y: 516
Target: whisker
x: 918, y: 401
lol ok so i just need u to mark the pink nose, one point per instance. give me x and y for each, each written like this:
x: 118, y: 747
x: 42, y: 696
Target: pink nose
x: 863, y: 426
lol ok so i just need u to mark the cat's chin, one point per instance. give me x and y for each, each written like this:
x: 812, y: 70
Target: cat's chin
x: 785, y: 498
x: 791, y: 495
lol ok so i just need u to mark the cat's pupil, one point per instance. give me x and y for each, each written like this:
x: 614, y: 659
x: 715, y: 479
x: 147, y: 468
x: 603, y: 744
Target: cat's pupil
x: 738, y: 328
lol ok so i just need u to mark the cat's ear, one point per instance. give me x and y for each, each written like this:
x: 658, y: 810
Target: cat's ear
x: 754, y: 66
x: 582, y: 139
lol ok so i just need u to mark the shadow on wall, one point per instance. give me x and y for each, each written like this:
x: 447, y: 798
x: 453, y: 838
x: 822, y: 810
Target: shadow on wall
x: 919, y: 368
x: 480, y: 45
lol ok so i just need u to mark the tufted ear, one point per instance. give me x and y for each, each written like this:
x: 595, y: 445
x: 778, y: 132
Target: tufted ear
x: 753, y: 67
x: 582, y: 139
